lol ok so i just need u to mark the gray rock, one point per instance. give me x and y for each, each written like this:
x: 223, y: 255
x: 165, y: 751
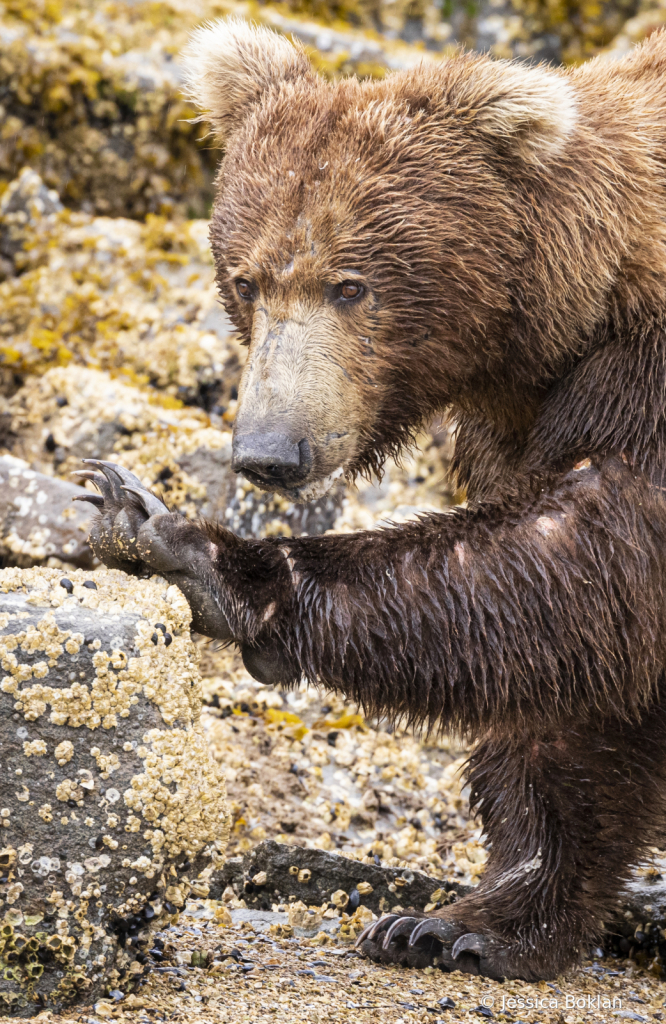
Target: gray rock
x: 110, y: 805
x: 39, y: 520
x: 328, y: 873
x: 26, y: 201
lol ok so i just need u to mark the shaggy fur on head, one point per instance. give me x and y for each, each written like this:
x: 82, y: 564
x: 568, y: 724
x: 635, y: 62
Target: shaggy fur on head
x: 231, y: 64
x: 507, y: 226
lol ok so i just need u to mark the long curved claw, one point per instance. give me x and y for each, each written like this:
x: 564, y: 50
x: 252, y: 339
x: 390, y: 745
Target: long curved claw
x: 124, y: 475
x: 152, y: 504
x: 103, y: 485
x: 94, y: 499
x: 472, y: 942
x: 438, y: 927
x: 403, y: 926
x: 376, y: 927
x: 108, y: 479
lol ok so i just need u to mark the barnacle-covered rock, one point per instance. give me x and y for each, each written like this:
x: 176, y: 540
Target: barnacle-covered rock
x: 646, y: 17
x: 91, y: 99
x: 110, y: 805
x: 24, y: 204
x: 277, y: 873
x: 369, y: 38
x: 75, y: 413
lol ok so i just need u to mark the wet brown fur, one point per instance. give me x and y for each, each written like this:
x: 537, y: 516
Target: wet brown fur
x: 509, y: 224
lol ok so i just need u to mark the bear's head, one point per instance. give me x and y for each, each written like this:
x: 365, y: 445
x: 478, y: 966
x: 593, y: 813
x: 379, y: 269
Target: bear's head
x: 366, y: 236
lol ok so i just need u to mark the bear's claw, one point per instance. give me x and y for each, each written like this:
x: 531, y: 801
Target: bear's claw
x: 95, y: 499
x: 113, y: 472
x: 375, y: 929
x: 112, y: 481
x: 470, y: 943
x: 418, y: 942
x: 153, y: 505
x: 403, y: 926
x: 438, y: 927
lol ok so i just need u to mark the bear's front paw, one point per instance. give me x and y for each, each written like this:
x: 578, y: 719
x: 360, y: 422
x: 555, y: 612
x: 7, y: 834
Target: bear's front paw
x: 441, y: 941
x: 124, y: 505
x: 136, y: 532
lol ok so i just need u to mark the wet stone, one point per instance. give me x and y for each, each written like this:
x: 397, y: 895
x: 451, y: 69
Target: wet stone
x: 38, y: 519
x: 328, y: 874
x: 110, y: 805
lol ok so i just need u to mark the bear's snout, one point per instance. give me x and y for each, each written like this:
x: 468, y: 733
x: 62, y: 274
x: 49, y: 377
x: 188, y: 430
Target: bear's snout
x: 300, y: 408
x: 271, y: 459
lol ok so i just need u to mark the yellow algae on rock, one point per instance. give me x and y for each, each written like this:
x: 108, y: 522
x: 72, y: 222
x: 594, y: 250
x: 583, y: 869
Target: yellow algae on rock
x: 138, y: 300
x: 120, y: 823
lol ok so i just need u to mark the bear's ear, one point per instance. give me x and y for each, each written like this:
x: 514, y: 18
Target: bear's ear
x: 230, y: 63
x: 531, y: 111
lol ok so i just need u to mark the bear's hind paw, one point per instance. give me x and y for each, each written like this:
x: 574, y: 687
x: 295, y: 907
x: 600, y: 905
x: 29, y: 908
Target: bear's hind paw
x: 441, y: 941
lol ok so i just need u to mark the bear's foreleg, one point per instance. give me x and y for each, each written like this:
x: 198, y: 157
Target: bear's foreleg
x: 566, y: 816
x: 489, y: 618
x: 492, y: 617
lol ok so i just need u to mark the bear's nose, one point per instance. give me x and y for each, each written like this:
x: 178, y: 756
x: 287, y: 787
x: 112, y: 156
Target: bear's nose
x: 271, y: 459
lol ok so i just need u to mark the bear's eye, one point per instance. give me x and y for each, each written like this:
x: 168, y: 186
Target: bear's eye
x: 245, y: 290
x: 351, y: 290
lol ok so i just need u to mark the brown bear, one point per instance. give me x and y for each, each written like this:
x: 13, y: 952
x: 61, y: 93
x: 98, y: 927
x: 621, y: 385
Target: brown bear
x: 488, y: 238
